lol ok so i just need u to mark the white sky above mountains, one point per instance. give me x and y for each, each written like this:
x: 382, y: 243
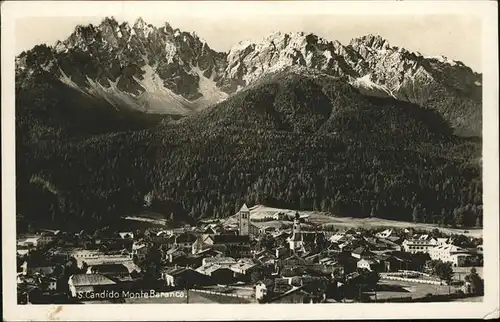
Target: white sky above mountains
x: 457, y: 37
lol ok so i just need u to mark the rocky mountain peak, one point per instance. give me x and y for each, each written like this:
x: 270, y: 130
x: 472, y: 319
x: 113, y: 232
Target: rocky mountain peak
x: 370, y: 40
x: 167, y: 70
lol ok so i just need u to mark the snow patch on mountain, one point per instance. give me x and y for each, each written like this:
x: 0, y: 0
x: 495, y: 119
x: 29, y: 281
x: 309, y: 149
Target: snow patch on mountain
x: 112, y: 94
x: 159, y: 99
x: 442, y: 59
x: 208, y: 88
x: 366, y: 86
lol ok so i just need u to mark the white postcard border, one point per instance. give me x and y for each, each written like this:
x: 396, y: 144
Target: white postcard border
x: 486, y: 10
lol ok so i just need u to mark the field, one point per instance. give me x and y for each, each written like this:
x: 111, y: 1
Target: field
x: 322, y: 218
x: 396, y: 289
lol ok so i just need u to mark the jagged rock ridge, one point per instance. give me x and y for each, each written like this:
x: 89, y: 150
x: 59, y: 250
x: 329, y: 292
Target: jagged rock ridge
x: 168, y: 71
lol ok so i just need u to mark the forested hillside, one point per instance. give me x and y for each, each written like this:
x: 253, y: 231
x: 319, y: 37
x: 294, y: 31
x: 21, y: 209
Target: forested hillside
x: 297, y: 141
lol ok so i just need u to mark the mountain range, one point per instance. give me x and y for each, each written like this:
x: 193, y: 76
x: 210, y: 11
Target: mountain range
x: 171, y: 72
x: 117, y: 114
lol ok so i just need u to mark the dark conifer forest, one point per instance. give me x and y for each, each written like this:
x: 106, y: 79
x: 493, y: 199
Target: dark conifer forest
x: 294, y: 141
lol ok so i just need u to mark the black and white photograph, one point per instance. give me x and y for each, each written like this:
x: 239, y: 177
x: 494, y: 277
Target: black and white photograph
x: 238, y: 156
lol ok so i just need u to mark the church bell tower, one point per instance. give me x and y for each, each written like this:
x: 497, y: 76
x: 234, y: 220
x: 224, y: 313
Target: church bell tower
x: 244, y: 220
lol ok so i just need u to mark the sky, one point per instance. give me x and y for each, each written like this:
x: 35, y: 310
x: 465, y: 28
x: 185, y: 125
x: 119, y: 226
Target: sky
x: 457, y: 37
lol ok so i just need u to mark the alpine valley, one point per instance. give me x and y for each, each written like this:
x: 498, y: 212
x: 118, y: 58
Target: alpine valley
x: 118, y: 113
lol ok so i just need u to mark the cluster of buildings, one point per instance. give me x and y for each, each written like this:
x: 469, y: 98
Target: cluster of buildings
x: 292, y: 265
x: 440, y: 249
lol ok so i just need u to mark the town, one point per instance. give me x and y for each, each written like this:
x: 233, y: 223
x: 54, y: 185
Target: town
x: 241, y: 260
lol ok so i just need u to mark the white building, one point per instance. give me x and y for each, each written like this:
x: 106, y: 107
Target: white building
x: 278, y: 215
x: 30, y: 242
x: 366, y: 263
x: 140, y: 250
x: 80, y: 283
x: 126, y: 235
x: 46, y: 238
x: 96, y: 257
x: 384, y: 234
x: 51, y: 284
x: 261, y: 290
x: 450, y: 253
x: 338, y: 238
x: 421, y: 244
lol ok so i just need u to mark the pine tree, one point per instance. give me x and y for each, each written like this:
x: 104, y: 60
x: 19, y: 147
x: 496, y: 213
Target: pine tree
x: 416, y: 215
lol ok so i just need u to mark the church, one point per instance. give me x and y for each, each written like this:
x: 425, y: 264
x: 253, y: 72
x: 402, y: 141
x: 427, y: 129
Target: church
x: 296, y: 241
x: 245, y: 227
x: 299, y: 241
x: 236, y: 243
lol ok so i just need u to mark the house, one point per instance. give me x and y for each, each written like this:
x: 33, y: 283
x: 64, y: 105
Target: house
x: 394, y: 239
x: 81, y: 283
x: 178, y: 256
x: 46, y: 238
x: 22, y: 251
x: 299, y: 295
x: 165, y: 240
x: 361, y: 252
x: 350, y: 232
x: 233, y: 245
x: 34, y: 267
x: 282, y: 252
x: 109, y: 270
x: 267, y: 229
x: 139, y: 249
x: 242, y: 269
x: 200, y: 244
x: 312, y: 258
x: 367, y: 264
x: 126, y: 235
x: 442, y: 241
x: 451, y: 254
x: 389, y: 263
x: 292, y: 261
x: 218, y: 273
x: 224, y: 261
x: 265, y: 258
x: 279, y: 215
x: 280, y: 286
x: 338, y: 238
x: 213, y: 229
x: 209, y: 252
x: 376, y: 244
x: 185, y: 240
x: 469, y: 288
x: 183, y: 277
x: 50, y: 283
x: 280, y: 236
x: 389, y: 244
x: 347, y: 262
x: 173, y: 254
x: 385, y: 234
x: 262, y: 288
x: 29, y: 242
